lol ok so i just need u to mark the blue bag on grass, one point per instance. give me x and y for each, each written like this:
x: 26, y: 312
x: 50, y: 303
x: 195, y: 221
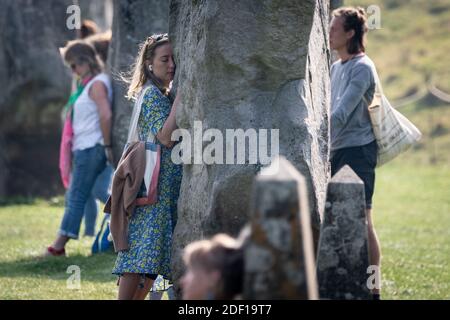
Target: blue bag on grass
x: 101, y: 242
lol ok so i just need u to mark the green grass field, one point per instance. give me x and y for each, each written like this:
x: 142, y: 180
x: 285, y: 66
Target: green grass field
x: 412, y: 207
x: 411, y: 44
x: 412, y: 217
x: 412, y: 194
x: 411, y: 212
x: 25, y: 231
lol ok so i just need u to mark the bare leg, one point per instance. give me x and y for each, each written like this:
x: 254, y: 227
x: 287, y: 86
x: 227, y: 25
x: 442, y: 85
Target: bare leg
x: 374, y: 248
x: 60, y: 242
x: 128, y: 286
x: 141, y: 293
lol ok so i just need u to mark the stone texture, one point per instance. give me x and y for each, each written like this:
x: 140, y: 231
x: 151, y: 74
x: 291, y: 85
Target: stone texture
x: 249, y: 64
x: 100, y: 11
x: 334, y: 4
x: 134, y: 21
x: 343, y: 249
x: 34, y: 86
x: 279, y: 258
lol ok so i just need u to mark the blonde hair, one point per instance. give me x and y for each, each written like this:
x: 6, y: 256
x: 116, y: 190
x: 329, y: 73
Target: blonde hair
x: 139, y: 73
x: 354, y: 19
x: 80, y: 51
x: 222, y: 253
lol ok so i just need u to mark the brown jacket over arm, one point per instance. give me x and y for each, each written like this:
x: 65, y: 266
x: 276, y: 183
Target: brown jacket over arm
x: 126, y: 184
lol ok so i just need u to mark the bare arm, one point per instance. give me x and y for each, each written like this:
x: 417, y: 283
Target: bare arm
x: 164, y: 135
x: 99, y: 95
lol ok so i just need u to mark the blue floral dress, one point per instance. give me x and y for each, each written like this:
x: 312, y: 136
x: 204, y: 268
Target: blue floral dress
x: 150, y: 228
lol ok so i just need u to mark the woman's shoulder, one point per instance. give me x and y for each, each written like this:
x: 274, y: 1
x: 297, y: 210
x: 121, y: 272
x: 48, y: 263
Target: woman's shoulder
x: 364, y: 62
x: 153, y: 93
x: 103, y: 77
x: 363, y: 68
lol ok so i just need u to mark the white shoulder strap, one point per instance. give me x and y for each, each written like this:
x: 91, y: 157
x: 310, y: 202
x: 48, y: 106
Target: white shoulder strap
x: 132, y: 131
x: 378, y: 87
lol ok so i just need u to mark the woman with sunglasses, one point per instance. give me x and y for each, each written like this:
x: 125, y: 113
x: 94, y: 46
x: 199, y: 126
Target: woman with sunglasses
x: 91, y: 146
x: 150, y: 227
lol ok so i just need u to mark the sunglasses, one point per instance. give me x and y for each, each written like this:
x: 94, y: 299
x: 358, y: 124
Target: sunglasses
x: 157, y: 37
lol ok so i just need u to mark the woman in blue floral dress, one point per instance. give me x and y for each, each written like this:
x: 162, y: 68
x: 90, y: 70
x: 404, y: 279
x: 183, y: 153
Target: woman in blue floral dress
x: 150, y: 227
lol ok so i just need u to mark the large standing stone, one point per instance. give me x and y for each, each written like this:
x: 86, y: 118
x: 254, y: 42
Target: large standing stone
x: 279, y: 258
x: 34, y: 86
x: 100, y: 11
x: 343, y: 250
x: 249, y: 64
x: 134, y: 21
x: 334, y: 4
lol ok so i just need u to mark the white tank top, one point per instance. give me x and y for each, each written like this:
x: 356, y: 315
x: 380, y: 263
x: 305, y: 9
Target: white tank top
x: 86, y: 120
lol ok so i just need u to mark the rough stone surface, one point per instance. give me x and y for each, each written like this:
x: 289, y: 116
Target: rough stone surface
x: 249, y: 64
x: 343, y: 248
x: 279, y: 258
x: 334, y: 4
x: 134, y: 21
x: 34, y: 86
x: 100, y: 11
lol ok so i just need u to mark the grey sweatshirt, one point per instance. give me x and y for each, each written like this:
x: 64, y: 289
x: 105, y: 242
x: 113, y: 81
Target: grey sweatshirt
x: 350, y: 122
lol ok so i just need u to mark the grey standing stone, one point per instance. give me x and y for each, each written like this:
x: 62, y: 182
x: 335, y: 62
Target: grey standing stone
x: 334, y: 4
x: 100, y: 11
x: 133, y: 22
x: 279, y: 257
x: 34, y: 85
x: 343, y: 248
x: 249, y: 64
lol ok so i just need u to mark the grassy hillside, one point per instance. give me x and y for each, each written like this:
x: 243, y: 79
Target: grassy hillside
x: 412, y: 44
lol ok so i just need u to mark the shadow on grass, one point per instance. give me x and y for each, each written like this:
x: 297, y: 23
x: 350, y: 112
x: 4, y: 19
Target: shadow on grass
x: 96, y: 268
x: 18, y: 200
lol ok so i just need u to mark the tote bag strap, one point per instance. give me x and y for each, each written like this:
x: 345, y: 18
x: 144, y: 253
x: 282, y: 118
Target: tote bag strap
x: 133, y: 129
x: 378, y: 87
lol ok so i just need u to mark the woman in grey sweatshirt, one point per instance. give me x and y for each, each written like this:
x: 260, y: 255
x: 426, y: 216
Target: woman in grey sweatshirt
x: 352, y: 139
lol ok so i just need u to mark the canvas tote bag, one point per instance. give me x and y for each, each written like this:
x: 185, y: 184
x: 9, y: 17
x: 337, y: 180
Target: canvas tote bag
x: 152, y: 154
x: 393, y: 132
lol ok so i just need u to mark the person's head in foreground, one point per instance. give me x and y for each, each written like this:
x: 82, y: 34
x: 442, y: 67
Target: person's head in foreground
x: 214, y: 269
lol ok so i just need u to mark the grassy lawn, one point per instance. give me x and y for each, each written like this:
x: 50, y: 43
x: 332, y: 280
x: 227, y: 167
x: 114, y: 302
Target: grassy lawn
x: 25, y: 231
x: 412, y: 217
x: 412, y: 207
x: 412, y: 193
